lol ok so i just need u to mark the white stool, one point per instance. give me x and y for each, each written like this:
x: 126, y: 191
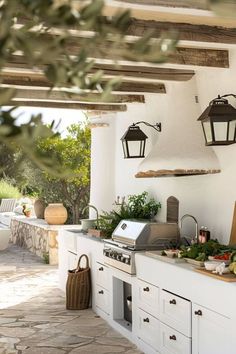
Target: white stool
x: 5, y: 234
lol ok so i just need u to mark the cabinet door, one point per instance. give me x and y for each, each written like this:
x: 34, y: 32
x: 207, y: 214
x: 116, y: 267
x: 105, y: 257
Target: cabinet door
x: 176, y: 312
x: 212, y: 332
x: 102, y: 299
x: 173, y: 342
x: 102, y: 275
x: 148, y: 329
x: 148, y: 298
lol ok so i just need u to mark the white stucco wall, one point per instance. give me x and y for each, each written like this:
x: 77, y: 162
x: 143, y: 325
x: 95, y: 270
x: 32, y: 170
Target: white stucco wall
x: 209, y: 198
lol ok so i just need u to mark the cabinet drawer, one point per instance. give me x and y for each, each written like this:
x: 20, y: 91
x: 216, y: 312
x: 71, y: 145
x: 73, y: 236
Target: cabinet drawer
x: 173, y: 342
x: 148, y: 329
x: 102, y: 299
x: 175, y: 312
x: 102, y: 275
x: 148, y: 298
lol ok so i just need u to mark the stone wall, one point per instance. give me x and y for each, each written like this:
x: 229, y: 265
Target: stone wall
x: 39, y: 239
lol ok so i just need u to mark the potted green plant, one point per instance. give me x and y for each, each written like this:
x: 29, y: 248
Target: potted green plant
x: 138, y: 206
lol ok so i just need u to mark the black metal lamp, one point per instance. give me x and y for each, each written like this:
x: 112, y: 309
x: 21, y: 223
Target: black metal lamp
x: 219, y: 122
x: 134, y: 140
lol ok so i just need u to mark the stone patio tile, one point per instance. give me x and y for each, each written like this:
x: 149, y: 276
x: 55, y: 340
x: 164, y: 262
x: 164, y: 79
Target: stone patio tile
x: 65, y: 341
x: 5, y: 320
x: 111, y: 340
x: 47, y: 318
x: 43, y: 351
x: 81, y: 330
x: 16, y: 332
x: 98, y: 349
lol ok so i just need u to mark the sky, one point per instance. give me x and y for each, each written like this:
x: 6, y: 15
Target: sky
x: 65, y: 117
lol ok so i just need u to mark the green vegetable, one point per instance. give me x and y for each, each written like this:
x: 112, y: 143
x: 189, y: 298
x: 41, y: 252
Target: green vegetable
x: 233, y: 257
x: 201, y: 251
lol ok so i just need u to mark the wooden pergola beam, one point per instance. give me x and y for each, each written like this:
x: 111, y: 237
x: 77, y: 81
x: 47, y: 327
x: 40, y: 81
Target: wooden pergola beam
x: 190, y: 4
x: 55, y: 95
x: 186, y: 31
x: 18, y: 68
x: 125, y: 86
x: 69, y: 105
x: 217, y: 58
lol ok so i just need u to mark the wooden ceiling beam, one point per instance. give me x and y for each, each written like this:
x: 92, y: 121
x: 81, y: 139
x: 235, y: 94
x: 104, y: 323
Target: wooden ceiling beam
x: 40, y: 94
x: 186, y: 31
x: 125, y: 86
x: 17, y: 67
x: 217, y: 58
x: 69, y: 105
x: 190, y: 4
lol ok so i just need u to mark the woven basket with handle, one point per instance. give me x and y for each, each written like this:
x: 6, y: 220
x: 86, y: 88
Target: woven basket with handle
x: 78, y: 286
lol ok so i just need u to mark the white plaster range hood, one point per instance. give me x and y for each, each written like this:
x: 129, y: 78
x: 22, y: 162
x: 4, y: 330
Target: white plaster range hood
x: 180, y: 149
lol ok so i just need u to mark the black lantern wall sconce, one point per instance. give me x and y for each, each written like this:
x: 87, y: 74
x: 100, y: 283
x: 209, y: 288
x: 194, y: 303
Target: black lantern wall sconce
x: 219, y: 122
x: 134, y: 140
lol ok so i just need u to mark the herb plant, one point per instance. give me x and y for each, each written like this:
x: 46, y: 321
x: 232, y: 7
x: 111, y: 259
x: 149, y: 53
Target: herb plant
x: 138, y: 207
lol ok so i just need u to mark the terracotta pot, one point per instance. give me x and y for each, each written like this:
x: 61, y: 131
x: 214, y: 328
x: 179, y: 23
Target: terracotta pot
x: 27, y: 213
x: 55, y: 214
x: 39, y: 208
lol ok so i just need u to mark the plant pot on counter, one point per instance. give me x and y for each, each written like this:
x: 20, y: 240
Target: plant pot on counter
x: 55, y: 214
x: 39, y: 208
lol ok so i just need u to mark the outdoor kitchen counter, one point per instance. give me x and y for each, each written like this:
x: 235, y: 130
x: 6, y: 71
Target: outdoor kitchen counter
x: 37, y: 236
x: 183, y: 280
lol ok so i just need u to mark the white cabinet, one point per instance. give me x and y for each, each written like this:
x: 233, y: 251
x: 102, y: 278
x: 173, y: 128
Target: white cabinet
x: 148, y: 297
x: 176, y: 312
x: 173, y: 342
x: 212, y: 332
x: 72, y: 260
x: 102, y: 287
x: 148, y: 329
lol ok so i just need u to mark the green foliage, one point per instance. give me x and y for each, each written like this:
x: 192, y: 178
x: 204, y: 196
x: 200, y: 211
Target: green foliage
x: 46, y: 257
x: 7, y: 190
x: 28, y: 27
x: 138, y: 207
x: 72, y: 153
x: 201, y: 251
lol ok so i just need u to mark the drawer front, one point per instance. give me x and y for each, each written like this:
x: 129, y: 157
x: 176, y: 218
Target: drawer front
x: 148, y: 298
x: 173, y: 342
x: 71, y: 242
x: 102, y: 275
x: 176, y: 312
x: 102, y: 299
x: 148, y: 329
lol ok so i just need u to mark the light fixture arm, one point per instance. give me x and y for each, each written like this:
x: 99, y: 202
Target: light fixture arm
x: 156, y: 126
x: 219, y: 97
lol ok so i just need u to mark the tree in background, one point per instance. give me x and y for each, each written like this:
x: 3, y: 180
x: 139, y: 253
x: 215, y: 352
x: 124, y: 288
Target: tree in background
x: 73, y: 153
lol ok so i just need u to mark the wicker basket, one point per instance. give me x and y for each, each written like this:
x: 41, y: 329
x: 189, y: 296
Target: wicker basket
x: 78, y: 287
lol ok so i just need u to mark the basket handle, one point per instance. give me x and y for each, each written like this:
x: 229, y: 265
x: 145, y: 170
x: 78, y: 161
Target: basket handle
x: 87, y: 262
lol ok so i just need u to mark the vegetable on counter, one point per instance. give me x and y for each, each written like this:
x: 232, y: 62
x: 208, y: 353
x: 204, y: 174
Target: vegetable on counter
x: 201, y: 251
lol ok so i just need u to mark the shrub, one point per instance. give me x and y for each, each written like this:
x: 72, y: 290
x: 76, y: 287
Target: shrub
x: 7, y: 190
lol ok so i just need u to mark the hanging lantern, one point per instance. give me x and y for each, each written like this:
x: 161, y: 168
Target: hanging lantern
x: 134, y: 140
x: 219, y: 122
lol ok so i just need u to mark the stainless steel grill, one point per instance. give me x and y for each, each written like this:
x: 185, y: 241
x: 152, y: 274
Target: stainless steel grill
x: 134, y: 236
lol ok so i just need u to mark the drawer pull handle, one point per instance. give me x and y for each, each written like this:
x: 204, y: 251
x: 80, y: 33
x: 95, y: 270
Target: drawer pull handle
x: 146, y: 320
x: 198, y: 313
x: 101, y: 292
x: 146, y: 289
x: 101, y: 269
x: 173, y: 302
x: 173, y: 337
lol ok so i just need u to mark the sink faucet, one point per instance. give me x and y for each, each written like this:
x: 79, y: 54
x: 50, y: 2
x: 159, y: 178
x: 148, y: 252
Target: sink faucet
x: 196, y: 224
x: 93, y: 207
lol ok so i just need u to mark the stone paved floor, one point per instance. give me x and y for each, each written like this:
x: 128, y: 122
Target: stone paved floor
x: 33, y: 319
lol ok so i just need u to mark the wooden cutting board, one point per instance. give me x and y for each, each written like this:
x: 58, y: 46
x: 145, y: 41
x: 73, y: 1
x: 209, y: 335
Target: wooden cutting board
x: 232, y: 240
x: 229, y: 277
x: 172, y: 210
